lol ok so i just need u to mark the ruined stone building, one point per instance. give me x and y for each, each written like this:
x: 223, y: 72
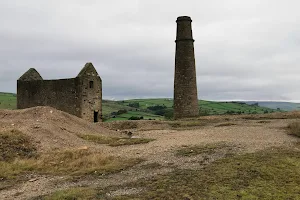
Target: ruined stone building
x: 185, y: 83
x: 80, y: 96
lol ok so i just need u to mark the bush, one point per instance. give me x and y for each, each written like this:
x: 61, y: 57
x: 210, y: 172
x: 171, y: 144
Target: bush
x: 134, y: 104
x: 160, y: 112
x: 14, y: 144
x: 230, y: 112
x: 169, y: 113
x: 203, y: 112
x: 135, y: 118
x: 157, y: 107
x: 122, y: 111
x: 294, y: 128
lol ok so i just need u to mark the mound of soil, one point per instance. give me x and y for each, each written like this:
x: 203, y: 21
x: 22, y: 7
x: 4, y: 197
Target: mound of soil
x: 50, y: 128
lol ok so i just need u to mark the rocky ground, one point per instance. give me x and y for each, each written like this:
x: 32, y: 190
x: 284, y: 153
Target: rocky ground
x: 51, y: 129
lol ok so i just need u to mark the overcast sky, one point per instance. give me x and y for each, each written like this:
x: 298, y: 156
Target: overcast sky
x: 244, y: 49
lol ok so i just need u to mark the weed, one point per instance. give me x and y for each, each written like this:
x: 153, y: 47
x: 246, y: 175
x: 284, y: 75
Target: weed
x: 114, y: 141
x: 154, y: 165
x: 127, y: 125
x: 77, y: 162
x: 14, y: 144
x: 264, y: 122
x: 269, y: 174
x: 294, y: 128
x: 70, y: 194
x: 186, y: 124
x: 225, y: 124
x: 201, y: 149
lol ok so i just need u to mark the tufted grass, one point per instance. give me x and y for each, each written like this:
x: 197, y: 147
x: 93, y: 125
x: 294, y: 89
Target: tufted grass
x: 14, y: 144
x: 114, y: 141
x: 294, y: 129
x: 201, y: 149
x: 269, y: 174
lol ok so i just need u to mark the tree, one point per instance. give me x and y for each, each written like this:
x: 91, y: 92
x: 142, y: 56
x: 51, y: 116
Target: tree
x: 122, y: 111
x: 134, y: 104
x: 169, y: 113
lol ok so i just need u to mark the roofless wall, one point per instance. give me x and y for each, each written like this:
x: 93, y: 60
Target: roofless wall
x: 80, y: 96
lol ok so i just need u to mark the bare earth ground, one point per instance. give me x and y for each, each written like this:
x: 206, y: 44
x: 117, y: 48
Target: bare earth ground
x: 53, y: 129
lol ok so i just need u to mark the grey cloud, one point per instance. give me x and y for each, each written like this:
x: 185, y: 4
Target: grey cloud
x: 244, y: 50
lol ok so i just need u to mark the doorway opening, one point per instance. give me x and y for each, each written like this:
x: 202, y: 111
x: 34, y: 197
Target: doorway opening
x: 95, y: 116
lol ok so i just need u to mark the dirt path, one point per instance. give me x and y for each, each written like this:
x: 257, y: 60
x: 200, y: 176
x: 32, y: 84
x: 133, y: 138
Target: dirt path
x: 245, y: 136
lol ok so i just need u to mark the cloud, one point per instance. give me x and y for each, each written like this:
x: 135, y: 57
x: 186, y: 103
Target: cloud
x: 243, y: 50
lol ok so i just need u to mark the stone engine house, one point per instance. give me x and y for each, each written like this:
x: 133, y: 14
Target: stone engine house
x: 80, y: 96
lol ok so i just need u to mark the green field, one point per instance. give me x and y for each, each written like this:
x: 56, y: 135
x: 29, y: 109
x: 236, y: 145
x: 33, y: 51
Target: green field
x: 8, y: 101
x: 111, y: 108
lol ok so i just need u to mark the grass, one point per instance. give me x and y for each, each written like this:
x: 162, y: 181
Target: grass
x: 114, y: 141
x: 72, y: 194
x: 126, y: 125
x: 294, y: 128
x: 263, y: 122
x: 19, y: 156
x: 186, y: 124
x: 269, y: 174
x: 201, y: 149
x: 69, y: 162
x: 154, y: 165
x: 8, y: 101
x: 14, y: 144
x: 225, y: 124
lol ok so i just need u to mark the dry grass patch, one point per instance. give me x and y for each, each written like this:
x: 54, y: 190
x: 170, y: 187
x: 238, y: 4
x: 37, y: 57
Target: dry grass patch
x: 71, y: 162
x: 201, y: 149
x: 81, y: 162
x: 14, y: 144
x: 154, y: 165
x: 264, y: 122
x: 269, y: 174
x: 122, y: 125
x: 114, y: 141
x: 225, y: 124
x: 187, y: 124
x: 71, y: 194
x: 294, y: 129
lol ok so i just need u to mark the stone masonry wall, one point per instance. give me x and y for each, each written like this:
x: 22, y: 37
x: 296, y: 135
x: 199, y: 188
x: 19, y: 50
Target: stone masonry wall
x: 185, y: 84
x: 61, y: 94
x: 91, y: 97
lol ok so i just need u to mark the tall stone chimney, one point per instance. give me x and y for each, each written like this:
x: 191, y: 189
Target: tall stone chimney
x: 185, y: 83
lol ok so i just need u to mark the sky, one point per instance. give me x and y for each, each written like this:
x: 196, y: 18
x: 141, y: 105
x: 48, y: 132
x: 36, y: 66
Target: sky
x: 244, y: 50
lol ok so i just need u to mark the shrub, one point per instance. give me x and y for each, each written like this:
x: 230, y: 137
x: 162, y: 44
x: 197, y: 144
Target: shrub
x: 135, y: 118
x: 294, y: 128
x: 169, y: 113
x: 157, y: 107
x: 134, y: 104
x: 14, y: 144
x: 122, y: 111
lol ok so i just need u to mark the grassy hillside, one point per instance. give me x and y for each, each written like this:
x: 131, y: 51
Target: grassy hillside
x: 8, y: 100
x: 206, y: 107
x: 154, y: 108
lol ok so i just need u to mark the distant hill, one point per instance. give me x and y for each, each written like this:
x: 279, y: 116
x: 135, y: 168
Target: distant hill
x: 163, y: 107
x: 286, y: 106
x: 156, y: 109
